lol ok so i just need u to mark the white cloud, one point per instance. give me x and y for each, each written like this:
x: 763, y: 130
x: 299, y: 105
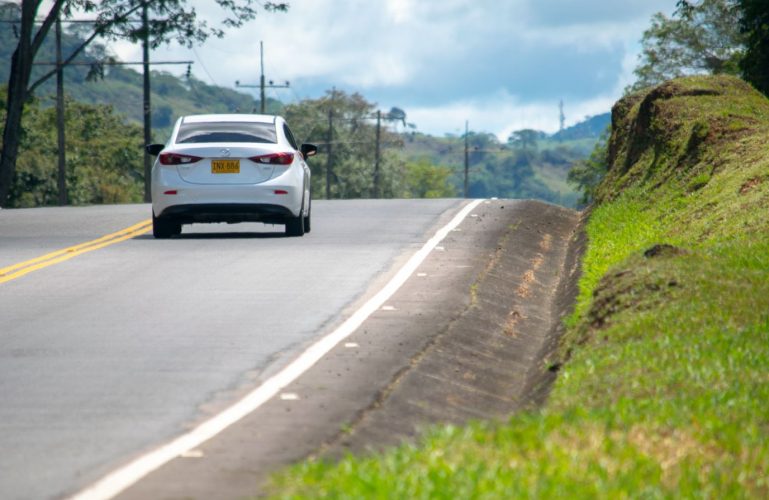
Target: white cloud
x: 126, y: 51
x: 502, y: 114
x: 386, y: 70
x: 400, y: 10
x: 505, y: 64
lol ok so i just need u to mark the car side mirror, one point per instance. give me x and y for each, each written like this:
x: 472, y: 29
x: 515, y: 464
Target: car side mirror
x: 154, y: 149
x: 308, y: 150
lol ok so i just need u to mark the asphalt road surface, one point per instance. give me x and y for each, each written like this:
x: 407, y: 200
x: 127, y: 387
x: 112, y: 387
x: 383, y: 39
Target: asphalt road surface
x: 195, y: 367
x: 107, y: 354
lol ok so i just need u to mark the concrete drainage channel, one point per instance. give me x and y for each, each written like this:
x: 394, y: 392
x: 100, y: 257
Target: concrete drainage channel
x: 466, y: 337
x: 490, y: 360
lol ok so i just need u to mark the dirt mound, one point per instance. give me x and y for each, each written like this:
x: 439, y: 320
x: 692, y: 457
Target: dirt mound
x: 669, y: 132
x: 663, y: 250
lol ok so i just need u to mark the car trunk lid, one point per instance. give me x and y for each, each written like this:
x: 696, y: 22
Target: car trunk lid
x: 226, y: 165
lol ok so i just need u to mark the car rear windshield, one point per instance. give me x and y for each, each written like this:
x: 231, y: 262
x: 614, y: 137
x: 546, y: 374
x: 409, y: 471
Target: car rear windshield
x: 194, y: 133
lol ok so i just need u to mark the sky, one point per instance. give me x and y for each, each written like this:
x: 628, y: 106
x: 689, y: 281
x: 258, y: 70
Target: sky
x: 502, y: 65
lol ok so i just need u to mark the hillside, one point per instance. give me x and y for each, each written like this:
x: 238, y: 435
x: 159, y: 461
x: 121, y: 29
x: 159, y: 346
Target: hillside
x: 662, y: 384
x: 590, y: 128
x: 508, y: 170
x: 171, y: 97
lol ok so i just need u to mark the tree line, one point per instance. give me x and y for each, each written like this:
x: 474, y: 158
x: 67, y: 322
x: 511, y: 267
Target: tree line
x: 104, y: 164
x: 528, y: 164
x: 102, y: 161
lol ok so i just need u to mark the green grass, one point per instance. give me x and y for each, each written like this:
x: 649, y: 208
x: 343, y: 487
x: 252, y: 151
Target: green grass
x: 664, y: 389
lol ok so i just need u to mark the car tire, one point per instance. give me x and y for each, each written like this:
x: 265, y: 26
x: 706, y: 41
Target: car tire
x: 165, y: 227
x: 307, y: 226
x: 295, y: 225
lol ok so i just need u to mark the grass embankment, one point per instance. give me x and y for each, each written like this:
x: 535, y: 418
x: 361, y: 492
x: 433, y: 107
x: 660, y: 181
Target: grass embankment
x: 664, y: 389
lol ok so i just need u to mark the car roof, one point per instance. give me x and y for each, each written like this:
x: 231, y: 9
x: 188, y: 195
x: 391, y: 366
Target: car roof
x: 239, y: 117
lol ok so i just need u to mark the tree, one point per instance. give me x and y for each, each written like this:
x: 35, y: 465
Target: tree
x: 587, y: 174
x: 526, y: 138
x: 344, y: 126
x: 115, y: 19
x: 426, y: 180
x: 754, y: 25
x: 700, y: 37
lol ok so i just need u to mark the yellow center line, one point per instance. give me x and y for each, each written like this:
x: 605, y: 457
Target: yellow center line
x: 18, y: 270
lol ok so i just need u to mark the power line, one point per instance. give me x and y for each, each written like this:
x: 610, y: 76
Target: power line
x: 330, y: 148
x: 203, y: 66
x: 113, y: 63
x: 467, y: 157
x: 61, y: 182
x: 262, y: 85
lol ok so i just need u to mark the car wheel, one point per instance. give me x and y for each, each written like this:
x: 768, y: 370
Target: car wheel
x: 295, y: 225
x: 307, y: 219
x: 164, y: 227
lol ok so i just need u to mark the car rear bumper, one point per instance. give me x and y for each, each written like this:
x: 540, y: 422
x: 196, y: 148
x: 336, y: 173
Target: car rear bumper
x: 228, y: 212
x: 272, y: 201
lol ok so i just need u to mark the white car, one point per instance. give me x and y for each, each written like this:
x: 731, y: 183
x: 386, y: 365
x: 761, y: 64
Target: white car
x: 230, y: 168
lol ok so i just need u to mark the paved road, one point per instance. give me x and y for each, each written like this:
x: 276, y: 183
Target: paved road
x: 114, y: 351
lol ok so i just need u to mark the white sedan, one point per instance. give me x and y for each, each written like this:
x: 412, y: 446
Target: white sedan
x: 230, y: 168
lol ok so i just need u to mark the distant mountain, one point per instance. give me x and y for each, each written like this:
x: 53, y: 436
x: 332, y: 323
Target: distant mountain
x: 591, y: 128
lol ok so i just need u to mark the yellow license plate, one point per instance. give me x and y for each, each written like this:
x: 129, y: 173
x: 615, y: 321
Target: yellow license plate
x: 225, y: 166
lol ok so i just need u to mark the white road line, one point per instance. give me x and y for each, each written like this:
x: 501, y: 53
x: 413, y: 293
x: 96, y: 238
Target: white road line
x: 120, y: 479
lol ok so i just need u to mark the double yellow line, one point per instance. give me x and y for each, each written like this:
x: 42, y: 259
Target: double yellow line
x: 18, y: 270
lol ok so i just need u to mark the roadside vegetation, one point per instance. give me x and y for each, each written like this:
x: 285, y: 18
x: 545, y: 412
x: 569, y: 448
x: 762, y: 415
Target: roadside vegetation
x: 663, y: 386
x: 529, y: 164
x: 102, y: 161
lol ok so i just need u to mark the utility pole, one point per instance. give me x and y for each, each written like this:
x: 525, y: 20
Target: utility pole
x: 60, y: 139
x: 467, y: 159
x: 262, y: 83
x: 561, y: 116
x: 395, y: 114
x: 261, y: 77
x: 147, y: 108
x: 329, y: 160
x: 377, y: 152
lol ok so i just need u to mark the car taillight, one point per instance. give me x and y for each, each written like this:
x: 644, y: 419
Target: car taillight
x: 274, y: 158
x: 177, y: 159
